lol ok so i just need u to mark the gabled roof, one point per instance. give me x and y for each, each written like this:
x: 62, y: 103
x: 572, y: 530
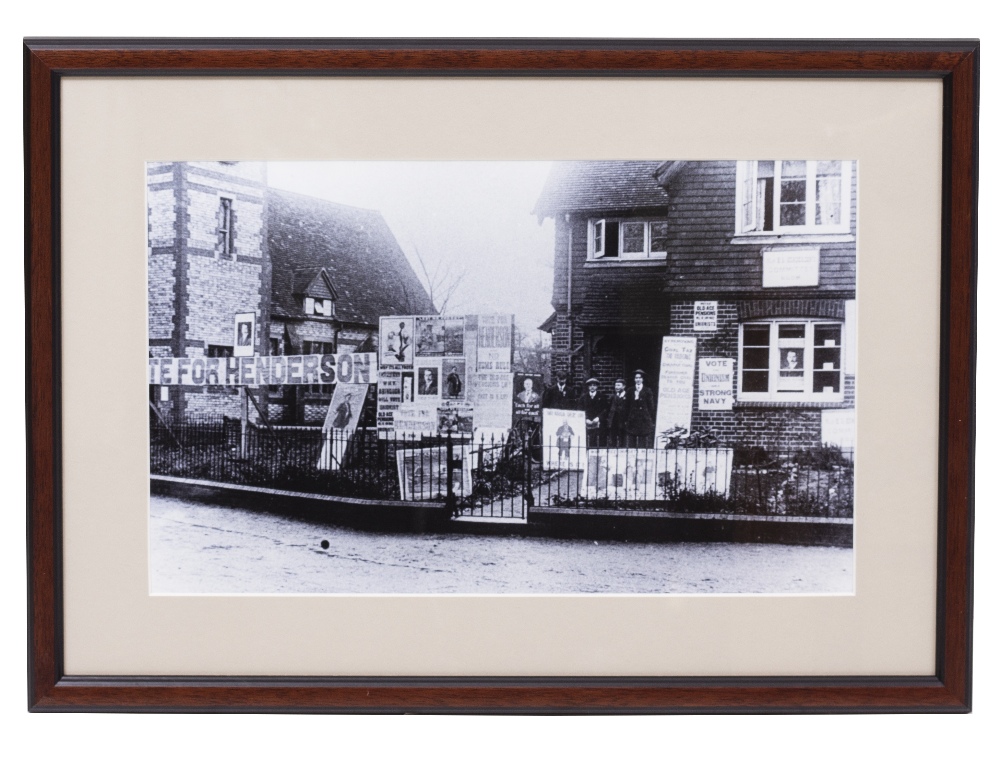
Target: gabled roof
x: 361, y: 259
x: 604, y: 185
x: 313, y: 282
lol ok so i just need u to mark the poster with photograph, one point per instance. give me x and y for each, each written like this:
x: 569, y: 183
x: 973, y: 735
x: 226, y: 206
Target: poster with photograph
x: 340, y: 423
x: 454, y: 385
x: 528, y: 396
x: 244, y: 330
x: 647, y: 474
x: 428, y: 381
x: 455, y: 420
x: 471, y: 339
x: 564, y: 439
x: 427, y: 331
x: 494, y: 347
x: 452, y: 335
x: 423, y: 473
x: 490, y: 394
x: 395, y: 342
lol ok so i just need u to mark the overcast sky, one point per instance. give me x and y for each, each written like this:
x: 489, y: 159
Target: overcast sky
x: 471, y: 218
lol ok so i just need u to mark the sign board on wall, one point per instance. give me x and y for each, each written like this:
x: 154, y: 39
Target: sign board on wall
x: 270, y: 370
x: 676, y: 389
x: 715, y: 383
x: 837, y: 427
x: 706, y: 315
x: 798, y: 267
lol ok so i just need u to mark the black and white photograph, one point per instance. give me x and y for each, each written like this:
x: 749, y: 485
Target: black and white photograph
x: 669, y: 339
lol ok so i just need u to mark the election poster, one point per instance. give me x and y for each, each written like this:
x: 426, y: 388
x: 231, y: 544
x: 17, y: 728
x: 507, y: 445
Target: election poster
x: 395, y: 342
x: 454, y: 385
x: 471, y: 337
x: 564, y: 439
x: 455, y: 420
x: 715, y: 383
x: 390, y: 397
x: 414, y: 421
x: 676, y: 387
x: 494, y: 350
x: 428, y: 380
x: 528, y: 396
x: 706, y: 315
x: 438, y: 336
x: 423, y: 473
x: 244, y: 326
x: 490, y: 394
x: 268, y: 370
x: 648, y: 474
x: 340, y: 423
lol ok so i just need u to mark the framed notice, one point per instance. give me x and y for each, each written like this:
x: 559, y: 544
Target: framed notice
x: 893, y: 118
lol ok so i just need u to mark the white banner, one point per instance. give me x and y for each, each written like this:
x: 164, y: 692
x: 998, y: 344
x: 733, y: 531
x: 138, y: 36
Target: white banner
x: 346, y: 368
x: 715, y: 383
x: 676, y: 390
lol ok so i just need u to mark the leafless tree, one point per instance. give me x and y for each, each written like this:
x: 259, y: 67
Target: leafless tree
x: 441, y: 282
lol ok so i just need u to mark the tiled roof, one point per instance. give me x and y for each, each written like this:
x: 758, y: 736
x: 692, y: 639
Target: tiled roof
x: 369, y: 271
x: 612, y: 185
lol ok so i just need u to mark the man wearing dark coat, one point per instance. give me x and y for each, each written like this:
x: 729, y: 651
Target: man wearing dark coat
x: 617, y: 414
x: 593, y: 405
x: 559, y: 396
x: 641, y: 413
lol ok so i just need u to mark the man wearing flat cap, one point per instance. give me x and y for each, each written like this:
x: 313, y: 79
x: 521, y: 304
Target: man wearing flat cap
x: 594, y: 406
x: 559, y: 396
x: 641, y: 413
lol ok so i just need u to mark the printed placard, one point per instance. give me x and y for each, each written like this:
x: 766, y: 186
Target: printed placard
x: 676, y: 389
x: 706, y: 315
x: 415, y: 421
x: 340, y: 423
x: 423, y: 473
x: 490, y: 394
x: 564, y: 439
x: 494, y: 345
x: 715, y: 383
x: 454, y: 385
x: 838, y: 427
x: 268, y: 370
x: 390, y: 397
x: 395, y: 341
x: 455, y: 420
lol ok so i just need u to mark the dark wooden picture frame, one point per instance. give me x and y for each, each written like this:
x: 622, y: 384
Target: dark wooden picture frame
x: 953, y: 62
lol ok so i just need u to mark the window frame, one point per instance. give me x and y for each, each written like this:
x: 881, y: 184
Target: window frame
x: 597, y: 242
x: 773, y: 395
x: 746, y: 183
x: 309, y: 307
x: 227, y: 246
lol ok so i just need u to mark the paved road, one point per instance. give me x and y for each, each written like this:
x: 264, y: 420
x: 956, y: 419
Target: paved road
x: 199, y: 548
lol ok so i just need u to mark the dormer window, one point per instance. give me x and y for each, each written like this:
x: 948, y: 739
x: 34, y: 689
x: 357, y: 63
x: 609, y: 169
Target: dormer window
x: 793, y: 196
x: 315, y: 306
x: 627, y: 239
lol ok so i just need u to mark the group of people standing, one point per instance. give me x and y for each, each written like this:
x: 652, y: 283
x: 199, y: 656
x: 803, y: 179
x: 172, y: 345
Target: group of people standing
x: 625, y: 418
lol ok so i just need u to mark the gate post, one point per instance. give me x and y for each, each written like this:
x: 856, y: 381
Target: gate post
x: 529, y: 493
x: 450, y: 494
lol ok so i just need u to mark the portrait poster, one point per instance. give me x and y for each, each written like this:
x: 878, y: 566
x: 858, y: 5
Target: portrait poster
x: 340, y: 423
x: 490, y: 394
x: 395, y: 342
x: 423, y: 473
x: 428, y: 380
x: 676, y: 386
x: 564, y: 440
x: 454, y: 384
x: 494, y: 344
x: 528, y: 396
x: 244, y: 334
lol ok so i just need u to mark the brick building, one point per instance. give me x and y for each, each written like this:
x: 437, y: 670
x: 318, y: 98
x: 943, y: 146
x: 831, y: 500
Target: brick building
x: 317, y: 275
x: 764, y: 250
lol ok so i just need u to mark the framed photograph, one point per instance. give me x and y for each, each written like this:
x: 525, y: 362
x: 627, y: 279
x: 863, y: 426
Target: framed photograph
x: 751, y: 341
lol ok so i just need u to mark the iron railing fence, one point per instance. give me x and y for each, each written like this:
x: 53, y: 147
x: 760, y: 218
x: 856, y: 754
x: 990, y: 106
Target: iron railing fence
x: 503, y: 476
